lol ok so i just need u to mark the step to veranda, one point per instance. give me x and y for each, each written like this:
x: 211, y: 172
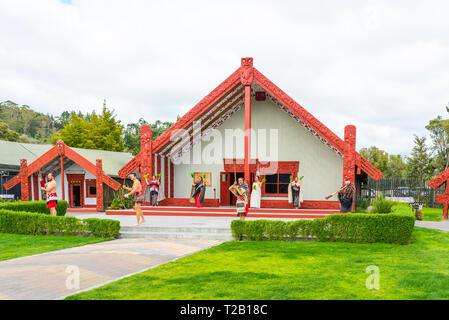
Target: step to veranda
x: 176, y: 233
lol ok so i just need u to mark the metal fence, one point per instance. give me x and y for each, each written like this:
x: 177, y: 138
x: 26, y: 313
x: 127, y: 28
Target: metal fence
x: 400, y: 188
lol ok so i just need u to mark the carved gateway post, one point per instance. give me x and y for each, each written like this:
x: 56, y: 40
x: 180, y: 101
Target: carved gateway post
x: 24, y: 180
x: 349, y: 156
x: 146, y: 152
x: 99, y: 185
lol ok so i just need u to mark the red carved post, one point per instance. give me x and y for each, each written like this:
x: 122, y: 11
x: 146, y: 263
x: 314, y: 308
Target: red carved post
x: 25, y: 196
x: 60, y: 147
x: 146, y: 152
x: 445, y: 205
x: 246, y: 77
x: 35, y: 187
x: 166, y: 177
x: 349, y: 155
x: 172, y: 180
x: 99, y: 185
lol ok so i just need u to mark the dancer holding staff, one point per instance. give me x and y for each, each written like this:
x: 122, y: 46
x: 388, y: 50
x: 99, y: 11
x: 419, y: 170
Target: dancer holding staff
x: 345, y: 196
x: 240, y: 190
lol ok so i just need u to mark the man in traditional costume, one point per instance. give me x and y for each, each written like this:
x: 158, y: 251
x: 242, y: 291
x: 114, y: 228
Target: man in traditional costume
x: 50, y: 190
x: 152, y: 190
x: 240, y: 190
x: 256, y: 193
x: 345, y: 196
x: 295, y: 192
x: 198, y: 191
x: 138, y: 197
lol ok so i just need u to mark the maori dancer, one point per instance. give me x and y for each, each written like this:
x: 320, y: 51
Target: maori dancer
x: 152, y: 190
x: 256, y: 193
x: 138, y: 197
x: 295, y: 192
x: 51, y: 195
x: 198, y: 191
x: 345, y: 196
x: 240, y: 190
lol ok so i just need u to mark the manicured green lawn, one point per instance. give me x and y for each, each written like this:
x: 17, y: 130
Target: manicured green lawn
x: 18, y: 245
x: 295, y: 270
x: 433, y: 214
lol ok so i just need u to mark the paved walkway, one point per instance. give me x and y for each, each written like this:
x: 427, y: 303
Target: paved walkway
x: 441, y: 225
x: 45, y: 276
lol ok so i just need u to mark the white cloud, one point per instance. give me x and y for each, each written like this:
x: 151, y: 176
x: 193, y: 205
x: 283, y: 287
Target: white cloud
x: 380, y: 65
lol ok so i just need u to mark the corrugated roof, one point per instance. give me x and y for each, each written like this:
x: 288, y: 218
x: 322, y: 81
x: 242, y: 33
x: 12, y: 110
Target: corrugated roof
x: 12, y: 152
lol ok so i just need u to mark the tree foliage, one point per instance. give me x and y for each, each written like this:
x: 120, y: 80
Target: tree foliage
x: 419, y: 162
x: 131, y: 136
x: 390, y: 165
x: 439, y: 132
x: 7, y: 134
x: 91, y: 131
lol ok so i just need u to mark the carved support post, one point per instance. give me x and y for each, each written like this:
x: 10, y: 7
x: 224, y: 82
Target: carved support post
x: 246, y: 78
x: 445, y: 206
x: 99, y: 185
x: 349, y: 155
x: 60, y: 146
x: 35, y: 187
x: 166, y: 177
x: 146, y: 152
x: 25, y: 196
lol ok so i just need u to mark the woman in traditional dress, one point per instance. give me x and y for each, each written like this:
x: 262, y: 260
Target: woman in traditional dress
x: 256, y: 193
x: 295, y: 192
x: 198, y: 191
x: 152, y: 190
x: 240, y: 190
x: 345, y: 196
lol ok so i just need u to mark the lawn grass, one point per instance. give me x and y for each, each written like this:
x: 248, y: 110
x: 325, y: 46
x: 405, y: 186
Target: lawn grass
x: 432, y: 214
x: 295, y: 270
x: 18, y: 245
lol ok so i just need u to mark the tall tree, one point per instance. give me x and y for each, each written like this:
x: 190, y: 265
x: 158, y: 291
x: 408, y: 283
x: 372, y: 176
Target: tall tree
x: 439, y: 132
x: 131, y: 136
x: 390, y: 165
x: 92, y: 131
x: 419, y: 163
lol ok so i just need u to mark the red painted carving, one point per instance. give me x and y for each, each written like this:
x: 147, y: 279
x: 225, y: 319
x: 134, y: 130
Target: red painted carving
x: 349, y: 154
x: 130, y: 166
x: 367, y: 167
x: 99, y: 174
x: 435, y: 183
x: 146, y: 153
x: 36, y: 187
x: 247, y: 71
x: 60, y: 147
x: 24, y: 180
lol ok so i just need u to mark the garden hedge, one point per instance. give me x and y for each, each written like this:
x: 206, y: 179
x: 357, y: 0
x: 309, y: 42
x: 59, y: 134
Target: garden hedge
x: 34, y: 206
x: 43, y: 224
x: 395, y: 227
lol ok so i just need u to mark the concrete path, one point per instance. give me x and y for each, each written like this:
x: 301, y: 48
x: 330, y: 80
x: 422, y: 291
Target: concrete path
x: 440, y: 225
x: 50, y: 275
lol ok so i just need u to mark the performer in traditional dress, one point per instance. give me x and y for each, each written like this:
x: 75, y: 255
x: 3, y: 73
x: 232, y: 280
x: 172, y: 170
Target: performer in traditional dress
x: 240, y: 190
x: 198, y: 191
x: 345, y: 196
x: 152, y: 190
x: 50, y: 190
x: 256, y: 194
x: 138, y: 197
x: 295, y: 192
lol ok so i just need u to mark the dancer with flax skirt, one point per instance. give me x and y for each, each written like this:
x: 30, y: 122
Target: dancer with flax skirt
x: 345, y: 196
x: 295, y: 192
x: 198, y: 191
x: 256, y: 194
x: 50, y: 189
x: 138, y: 200
x: 240, y: 190
x: 152, y: 190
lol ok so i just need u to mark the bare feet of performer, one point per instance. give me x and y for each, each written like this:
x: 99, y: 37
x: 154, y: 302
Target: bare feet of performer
x: 138, y: 200
x: 52, y: 197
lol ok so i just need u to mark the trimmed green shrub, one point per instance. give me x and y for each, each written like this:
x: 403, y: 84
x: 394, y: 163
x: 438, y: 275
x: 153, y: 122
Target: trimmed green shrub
x: 395, y: 227
x: 43, y: 224
x: 35, y: 206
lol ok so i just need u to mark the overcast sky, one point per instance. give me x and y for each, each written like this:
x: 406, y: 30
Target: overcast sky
x: 380, y: 65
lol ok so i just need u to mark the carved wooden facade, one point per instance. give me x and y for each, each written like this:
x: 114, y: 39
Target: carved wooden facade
x: 442, y: 198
